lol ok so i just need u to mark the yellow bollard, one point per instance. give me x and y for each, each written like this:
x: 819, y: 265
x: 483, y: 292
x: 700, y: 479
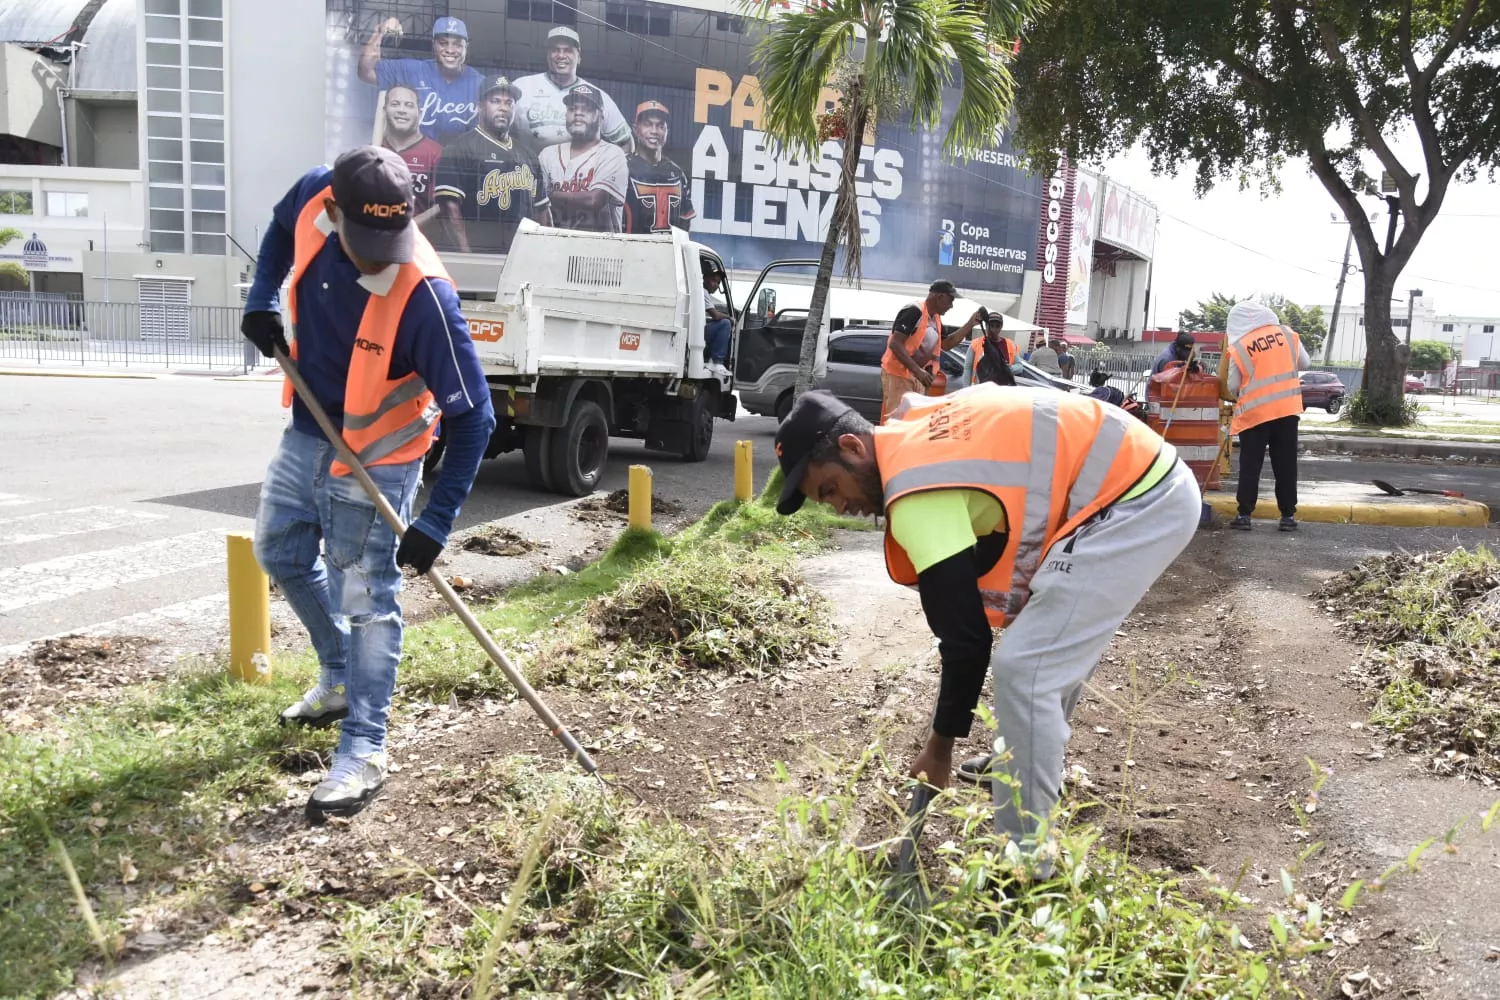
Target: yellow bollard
x: 744, y: 472
x: 640, y: 497
x: 249, y: 613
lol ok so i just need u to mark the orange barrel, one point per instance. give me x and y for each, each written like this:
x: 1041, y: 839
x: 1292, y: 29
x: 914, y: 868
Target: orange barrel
x: 1184, y: 409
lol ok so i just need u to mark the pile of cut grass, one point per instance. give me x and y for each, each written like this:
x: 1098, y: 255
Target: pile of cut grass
x: 1433, y: 621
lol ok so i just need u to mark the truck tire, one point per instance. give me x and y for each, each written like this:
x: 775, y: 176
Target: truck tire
x: 579, y: 450
x: 784, y: 405
x: 537, y: 446
x: 700, y: 427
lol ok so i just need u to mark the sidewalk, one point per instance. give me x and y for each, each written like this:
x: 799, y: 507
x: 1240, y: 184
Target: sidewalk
x: 1361, y: 503
x: 1333, y: 443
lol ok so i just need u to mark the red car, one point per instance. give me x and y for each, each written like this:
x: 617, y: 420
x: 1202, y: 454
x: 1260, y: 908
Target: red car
x: 1414, y: 385
x: 1322, y: 390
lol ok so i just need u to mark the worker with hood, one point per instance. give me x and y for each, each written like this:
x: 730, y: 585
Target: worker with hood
x: 1180, y: 349
x: 1260, y: 372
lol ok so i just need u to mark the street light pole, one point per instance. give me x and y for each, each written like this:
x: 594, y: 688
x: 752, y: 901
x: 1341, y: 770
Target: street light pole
x: 1338, y: 299
x: 1411, y: 301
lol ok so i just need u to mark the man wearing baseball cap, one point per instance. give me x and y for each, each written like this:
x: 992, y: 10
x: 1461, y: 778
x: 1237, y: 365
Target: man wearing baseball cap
x: 911, y: 356
x: 383, y: 346
x: 1047, y: 513
x: 488, y: 181
x: 447, y: 86
x: 585, y: 178
x: 659, y: 196
x: 540, y: 110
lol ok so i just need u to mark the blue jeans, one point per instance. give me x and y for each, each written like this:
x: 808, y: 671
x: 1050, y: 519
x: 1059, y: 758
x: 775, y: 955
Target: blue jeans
x: 716, y: 340
x: 323, y: 542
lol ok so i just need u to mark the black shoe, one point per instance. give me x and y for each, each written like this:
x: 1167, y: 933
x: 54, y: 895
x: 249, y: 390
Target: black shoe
x: 1288, y: 524
x: 976, y: 769
x: 1241, y: 523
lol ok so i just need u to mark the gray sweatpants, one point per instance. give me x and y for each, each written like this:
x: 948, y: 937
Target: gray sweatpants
x: 1087, y: 585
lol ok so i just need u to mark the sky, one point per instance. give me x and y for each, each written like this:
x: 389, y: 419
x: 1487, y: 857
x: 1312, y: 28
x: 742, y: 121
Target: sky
x: 1288, y: 244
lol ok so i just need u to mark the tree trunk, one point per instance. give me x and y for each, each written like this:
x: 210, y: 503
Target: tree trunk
x: 853, y: 141
x: 1385, y: 356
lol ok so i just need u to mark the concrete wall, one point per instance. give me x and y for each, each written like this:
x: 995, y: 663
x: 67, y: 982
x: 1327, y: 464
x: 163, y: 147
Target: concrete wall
x: 275, y: 105
x: 1118, y: 301
x: 103, y: 133
x: 28, y: 99
x: 213, y: 278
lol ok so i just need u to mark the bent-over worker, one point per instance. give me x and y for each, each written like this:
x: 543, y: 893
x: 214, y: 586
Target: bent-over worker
x: 386, y: 351
x: 1045, y: 512
x: 912, y: 354
x: 1261, y: 372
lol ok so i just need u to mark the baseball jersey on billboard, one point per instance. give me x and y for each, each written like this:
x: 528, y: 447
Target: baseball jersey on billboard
x: 422, y: 160
x: 448, y: 107
x: 497, y: 184
x: 659, y: 196
x: 601, y: 167
x: 541, y: 113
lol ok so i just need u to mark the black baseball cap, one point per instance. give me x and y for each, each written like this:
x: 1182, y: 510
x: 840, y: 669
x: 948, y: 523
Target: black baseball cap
x: 501, y: 82
x: 584, y: 92
x: 994, y: 319
x: 812, y: 416
x: 372, y: 188
x: 942, y: 287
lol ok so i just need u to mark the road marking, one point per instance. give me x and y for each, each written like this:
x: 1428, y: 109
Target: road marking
x: 153, y: 623
x: 86, y: 572
x: 16, y: 500
x: 76, y: 521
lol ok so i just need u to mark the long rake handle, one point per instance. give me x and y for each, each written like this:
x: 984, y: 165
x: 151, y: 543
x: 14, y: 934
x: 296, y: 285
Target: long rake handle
x: 439, y: 583
x: 1181, y: 384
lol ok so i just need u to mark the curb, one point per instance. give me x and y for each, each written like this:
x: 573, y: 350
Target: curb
x: 1477, y: 452
x: 52, y: 373
x: 1446, y: 512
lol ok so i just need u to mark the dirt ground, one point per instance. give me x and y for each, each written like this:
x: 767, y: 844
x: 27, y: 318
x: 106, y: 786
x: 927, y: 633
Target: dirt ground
x: 1194, y: 740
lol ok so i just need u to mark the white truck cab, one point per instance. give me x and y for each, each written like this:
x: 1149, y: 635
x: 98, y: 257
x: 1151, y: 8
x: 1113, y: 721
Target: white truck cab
x: 593, y: 335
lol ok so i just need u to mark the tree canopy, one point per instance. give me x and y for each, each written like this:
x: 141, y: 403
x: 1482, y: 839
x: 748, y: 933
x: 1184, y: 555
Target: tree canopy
x: 1212, y: 315
x: 1429, y: 355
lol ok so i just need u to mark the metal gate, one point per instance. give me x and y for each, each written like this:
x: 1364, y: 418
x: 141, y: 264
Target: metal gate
x: 164, y: 309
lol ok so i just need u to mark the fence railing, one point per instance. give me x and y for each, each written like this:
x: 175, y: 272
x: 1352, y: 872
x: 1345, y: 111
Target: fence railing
x: 60, y: 331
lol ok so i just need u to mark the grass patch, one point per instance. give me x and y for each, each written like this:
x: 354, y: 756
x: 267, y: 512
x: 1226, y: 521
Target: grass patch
x: 655, y: 909
x: 1434, y: 622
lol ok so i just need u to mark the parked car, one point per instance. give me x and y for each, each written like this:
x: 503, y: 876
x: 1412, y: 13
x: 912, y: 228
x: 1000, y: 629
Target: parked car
x: 1414, y: 385
x: 853, y: 374
x: 1323, y: 390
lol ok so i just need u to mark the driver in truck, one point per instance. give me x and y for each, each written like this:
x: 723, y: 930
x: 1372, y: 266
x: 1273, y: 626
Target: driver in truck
x: 716, y: 326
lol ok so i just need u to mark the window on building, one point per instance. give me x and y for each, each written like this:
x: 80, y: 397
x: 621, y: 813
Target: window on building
x: 728, y: 22
x: 1489, y: 328
x: 1447, y: 327
x: 639, y: 18
x: 1399, y: 323
x: 69, y: 203
x: 544, y: 11
x: 15, y: 202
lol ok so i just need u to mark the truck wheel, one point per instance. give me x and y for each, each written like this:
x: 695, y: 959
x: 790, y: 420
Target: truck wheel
x: 536, y: 446
x: 579, y: 450
x: 784, y: 405
x: 700, y: 428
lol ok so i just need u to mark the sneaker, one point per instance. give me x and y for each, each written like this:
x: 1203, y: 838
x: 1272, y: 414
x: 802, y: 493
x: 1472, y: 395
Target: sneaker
x: 717, y: 369
x: 321, y: 706
x: 976, y: 769
x: 1241, y: 523
x: 351, y: 784
x: 1288, y: 524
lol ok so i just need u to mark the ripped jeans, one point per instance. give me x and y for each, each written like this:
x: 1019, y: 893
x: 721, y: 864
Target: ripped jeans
x: 321, y: 539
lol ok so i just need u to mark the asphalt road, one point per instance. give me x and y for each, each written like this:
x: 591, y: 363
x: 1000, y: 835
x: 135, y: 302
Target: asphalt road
x: 115, y: 493
x: 1476, y: 482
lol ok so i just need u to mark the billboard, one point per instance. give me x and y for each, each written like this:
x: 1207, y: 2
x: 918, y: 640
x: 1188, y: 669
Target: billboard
x: 1081, y: 263
x: 1127, y: 220
x: 637, y: 117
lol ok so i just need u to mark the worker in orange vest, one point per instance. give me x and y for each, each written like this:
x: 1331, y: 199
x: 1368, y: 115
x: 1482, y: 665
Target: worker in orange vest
x: 1044, y: 512
x: 385, y: 349
x: 1260, y: 371
x: 911, y: 356
x: 994, y: 353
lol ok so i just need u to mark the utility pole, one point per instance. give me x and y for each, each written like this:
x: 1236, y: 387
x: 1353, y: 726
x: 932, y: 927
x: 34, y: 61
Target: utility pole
x: 1411, y: 300
x: 1338, y: 299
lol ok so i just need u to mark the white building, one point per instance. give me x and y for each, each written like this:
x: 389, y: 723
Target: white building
x: 1472, y: 338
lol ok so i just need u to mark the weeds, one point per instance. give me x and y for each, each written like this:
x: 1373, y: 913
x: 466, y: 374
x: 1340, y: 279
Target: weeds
x: 1434, y: 621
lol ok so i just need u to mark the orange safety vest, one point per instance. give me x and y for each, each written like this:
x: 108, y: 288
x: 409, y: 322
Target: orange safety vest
x: 892, y: 366
x: 1269, y: 384
x: 386, y: 421
x: 1007, y: 346
x: 1051, y: 459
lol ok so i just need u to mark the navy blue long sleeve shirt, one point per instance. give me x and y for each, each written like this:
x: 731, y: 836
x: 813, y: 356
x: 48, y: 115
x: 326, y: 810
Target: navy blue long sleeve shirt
x: 432, y: 340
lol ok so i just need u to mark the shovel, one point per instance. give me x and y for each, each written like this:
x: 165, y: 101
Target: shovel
x: 907, y: 886
x: 1390, y: 490
x: 439, y: 583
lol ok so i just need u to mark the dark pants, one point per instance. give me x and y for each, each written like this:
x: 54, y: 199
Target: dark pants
x: 1280, y: 435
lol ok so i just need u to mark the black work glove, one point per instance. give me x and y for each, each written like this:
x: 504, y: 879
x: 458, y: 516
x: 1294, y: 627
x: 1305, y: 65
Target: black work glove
x: 264, y: 330
x: 417, y: 550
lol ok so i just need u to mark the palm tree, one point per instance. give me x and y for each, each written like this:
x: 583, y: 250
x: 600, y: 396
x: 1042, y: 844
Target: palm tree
x: 10, y: 268
x: 882, y: 55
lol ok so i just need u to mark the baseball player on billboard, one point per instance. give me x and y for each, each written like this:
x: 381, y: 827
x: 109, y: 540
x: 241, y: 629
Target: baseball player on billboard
x: 585, y: 178
x: 402, y: 135
x: 541, y: 111
x: 447, y: 86
x: 658, y: 197
x: 488, y: 182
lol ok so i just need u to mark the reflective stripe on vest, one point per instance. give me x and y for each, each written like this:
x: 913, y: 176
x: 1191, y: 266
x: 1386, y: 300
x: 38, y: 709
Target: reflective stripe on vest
x: 386, y: 421
x: 1079, y: 456
x: 1270, y: 386
x: 891, y: 365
